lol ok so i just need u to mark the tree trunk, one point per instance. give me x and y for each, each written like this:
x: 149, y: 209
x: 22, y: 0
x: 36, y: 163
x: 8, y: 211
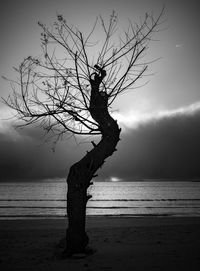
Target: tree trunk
x: 82, y: 172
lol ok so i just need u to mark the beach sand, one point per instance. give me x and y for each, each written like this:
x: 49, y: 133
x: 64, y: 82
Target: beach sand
x: 122, y: 243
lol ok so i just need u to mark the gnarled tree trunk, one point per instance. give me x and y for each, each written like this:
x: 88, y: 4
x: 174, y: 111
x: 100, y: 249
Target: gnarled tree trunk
x: 82, y: 172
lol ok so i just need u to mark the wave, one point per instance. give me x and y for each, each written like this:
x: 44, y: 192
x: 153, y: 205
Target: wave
x: 61, y: 200
x: 97, y: 207
x: 2, y: 217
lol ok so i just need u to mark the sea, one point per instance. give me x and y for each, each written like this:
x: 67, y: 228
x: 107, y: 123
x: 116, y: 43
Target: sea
x: 47, y: 199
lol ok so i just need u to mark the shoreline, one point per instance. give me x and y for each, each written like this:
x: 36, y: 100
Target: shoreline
x: 136, y: 218
x: 122, y: 243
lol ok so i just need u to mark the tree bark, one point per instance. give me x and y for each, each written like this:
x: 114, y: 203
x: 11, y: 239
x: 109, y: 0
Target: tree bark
x: 82, y: 172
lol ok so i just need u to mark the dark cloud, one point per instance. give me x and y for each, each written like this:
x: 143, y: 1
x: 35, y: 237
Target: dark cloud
x: 166, y: 147
x: 24, y: 155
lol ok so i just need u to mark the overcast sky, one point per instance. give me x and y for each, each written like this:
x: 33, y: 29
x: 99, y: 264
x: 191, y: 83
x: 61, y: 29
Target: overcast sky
x: 160, y: 121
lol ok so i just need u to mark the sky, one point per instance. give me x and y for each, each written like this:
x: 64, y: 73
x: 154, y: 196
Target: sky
x: 160, y: 121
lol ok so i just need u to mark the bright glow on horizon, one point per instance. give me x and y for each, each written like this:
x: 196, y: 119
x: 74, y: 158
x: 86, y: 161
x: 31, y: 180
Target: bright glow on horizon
x: 115, y: 179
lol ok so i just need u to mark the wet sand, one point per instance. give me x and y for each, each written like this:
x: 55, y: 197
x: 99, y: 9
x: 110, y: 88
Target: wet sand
x: 122, y: 243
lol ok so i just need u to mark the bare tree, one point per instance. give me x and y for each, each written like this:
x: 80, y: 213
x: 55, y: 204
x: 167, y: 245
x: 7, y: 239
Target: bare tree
x: 71, y: 91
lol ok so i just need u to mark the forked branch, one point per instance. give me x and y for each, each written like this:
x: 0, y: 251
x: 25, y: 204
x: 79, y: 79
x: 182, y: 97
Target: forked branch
x: 56, y: 91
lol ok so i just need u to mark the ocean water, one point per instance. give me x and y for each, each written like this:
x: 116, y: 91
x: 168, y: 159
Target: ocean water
x: 48, y: 199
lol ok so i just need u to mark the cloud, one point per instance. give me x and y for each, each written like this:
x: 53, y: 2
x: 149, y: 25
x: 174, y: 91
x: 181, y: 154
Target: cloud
x: 24, y: 155
x: 134, y: 118
x: 161, y: 145
x: 165, y: 145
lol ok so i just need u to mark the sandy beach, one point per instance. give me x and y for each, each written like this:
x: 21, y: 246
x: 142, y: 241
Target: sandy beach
x: 122, y: 243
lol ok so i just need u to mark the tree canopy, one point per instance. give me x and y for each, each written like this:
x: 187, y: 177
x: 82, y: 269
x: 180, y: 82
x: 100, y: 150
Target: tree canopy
x: 54, y: 89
